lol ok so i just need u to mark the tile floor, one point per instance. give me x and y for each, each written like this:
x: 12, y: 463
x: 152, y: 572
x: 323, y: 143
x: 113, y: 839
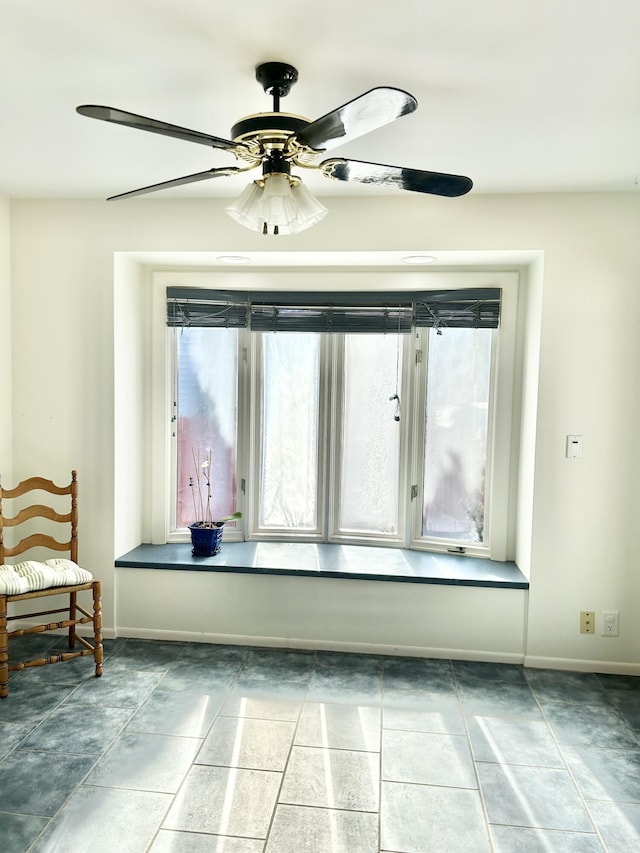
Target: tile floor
x: 190, y: 748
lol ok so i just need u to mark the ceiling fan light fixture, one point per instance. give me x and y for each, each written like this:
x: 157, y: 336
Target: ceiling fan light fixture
x: 277, y: 204
x: 277, y: 207
x: 310, y: 211
x: 245, y: 208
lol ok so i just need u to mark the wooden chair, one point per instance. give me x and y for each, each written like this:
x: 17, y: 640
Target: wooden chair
x: 77, y: 615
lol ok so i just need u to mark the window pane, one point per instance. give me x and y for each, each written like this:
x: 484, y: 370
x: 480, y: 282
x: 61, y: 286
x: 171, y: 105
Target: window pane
x: 290, y: 408
x: 206, y: 418
x: 456, y: 433
x: 370, y: 434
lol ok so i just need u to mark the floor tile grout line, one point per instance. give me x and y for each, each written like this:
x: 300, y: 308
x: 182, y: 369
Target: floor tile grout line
x: 566, y: 765
x: 327, y: 808
x: 51, y: 710
x: 438, y: 785
x: 193, y: 762
x: 465, y: 721
x: 53, y: 817
x: 288, y: 759
x: 83, y: 782
x: 166, y: 812
x: 336, y: 748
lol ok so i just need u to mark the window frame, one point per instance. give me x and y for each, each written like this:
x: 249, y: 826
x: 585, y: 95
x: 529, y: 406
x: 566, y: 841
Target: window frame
x: 441, y: 544
x: 501, y: 468
x: 254, y: 484
x: 334, y: 533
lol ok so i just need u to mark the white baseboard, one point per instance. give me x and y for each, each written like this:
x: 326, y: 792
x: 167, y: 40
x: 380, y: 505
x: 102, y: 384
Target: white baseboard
x: 532, y: 661
x: 107, y: 634
x: 577, y: 665
x: 321, y: 645
x: 569, y: 664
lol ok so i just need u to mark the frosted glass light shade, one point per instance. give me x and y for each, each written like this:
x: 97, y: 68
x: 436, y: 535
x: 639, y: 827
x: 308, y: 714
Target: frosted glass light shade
x: 310, y: 211
x: 245, y: 209
x: 278, y: 207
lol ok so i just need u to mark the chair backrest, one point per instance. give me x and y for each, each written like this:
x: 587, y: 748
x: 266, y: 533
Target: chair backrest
x: 39, y: 510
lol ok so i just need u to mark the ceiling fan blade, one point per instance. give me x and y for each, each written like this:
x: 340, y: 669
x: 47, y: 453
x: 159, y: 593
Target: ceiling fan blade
x: 415, y: 180
x: 143, y: 123
x: 363, y: 114
x: 178, y: 182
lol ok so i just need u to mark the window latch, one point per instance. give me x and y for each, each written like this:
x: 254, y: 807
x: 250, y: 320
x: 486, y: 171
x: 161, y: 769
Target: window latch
x: 414, y: 492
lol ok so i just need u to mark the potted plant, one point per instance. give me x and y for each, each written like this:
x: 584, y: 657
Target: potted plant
x: 206, y: 532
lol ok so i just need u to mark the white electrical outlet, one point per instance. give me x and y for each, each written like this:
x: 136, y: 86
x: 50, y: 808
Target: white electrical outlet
x: 610, y: 623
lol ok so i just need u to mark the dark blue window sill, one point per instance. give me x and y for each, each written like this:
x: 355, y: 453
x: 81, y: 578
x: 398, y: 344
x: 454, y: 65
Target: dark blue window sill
x: 355, y: 562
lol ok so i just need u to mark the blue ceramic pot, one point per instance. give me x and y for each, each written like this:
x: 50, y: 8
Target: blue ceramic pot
x: 206, y: 541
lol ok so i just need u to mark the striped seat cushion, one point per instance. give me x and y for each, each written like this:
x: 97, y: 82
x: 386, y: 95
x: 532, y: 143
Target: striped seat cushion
x: 31, y: 575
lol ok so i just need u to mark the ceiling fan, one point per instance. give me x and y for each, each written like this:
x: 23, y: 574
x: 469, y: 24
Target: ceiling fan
x: 278, y: 202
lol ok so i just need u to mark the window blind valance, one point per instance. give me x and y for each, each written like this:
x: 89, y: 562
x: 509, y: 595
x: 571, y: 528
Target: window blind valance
x: 334, y: 311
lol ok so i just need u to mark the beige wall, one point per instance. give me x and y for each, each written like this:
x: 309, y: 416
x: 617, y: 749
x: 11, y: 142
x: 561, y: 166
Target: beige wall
x: 6, y: 472
x: 582, y: 553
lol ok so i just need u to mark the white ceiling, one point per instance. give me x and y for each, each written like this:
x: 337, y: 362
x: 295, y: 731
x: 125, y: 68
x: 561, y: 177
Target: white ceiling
x: 521, y: 95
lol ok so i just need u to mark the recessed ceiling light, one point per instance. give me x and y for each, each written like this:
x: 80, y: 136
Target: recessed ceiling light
x: 419, y: 259
x: 233, y: 259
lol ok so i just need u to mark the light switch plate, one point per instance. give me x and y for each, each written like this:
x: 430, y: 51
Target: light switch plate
x: 574, y: 446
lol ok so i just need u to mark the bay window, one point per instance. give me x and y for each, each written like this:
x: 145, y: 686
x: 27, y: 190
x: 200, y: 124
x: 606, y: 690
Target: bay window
x: 357, y: 417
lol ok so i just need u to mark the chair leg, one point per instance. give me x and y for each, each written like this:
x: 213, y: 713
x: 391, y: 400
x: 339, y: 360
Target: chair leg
x: 72, y: 617
x: 98, y: 652
x: 4, y: 649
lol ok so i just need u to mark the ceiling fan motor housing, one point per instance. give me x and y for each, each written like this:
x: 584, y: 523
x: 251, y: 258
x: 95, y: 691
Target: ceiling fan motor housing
x: 269, y: 132
x: 276, y: 78
x: 277, y: 125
